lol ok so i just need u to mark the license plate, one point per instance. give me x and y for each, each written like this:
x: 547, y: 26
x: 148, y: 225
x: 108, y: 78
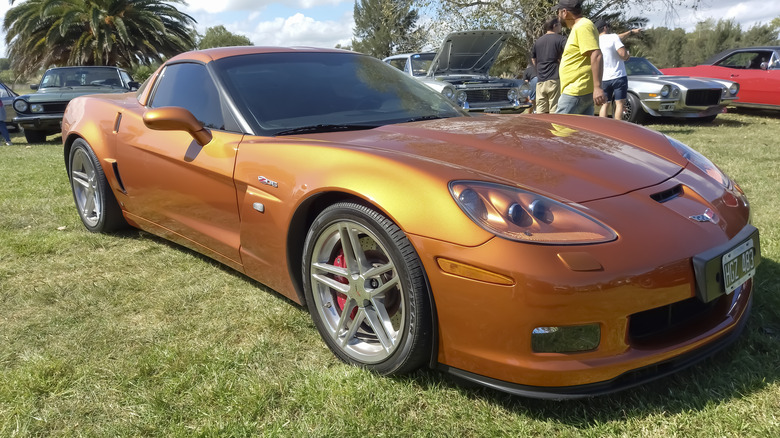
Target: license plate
x: 666, y: 107
x: 739, y: 265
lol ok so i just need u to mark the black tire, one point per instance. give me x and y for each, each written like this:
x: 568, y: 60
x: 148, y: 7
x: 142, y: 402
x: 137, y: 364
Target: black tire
x: 633, y: 112
x: 95, y: 202
x: 34, y: 136
x: 372, y: 308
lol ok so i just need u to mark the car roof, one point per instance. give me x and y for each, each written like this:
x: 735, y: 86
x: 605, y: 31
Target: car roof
x: 718, y: 56
x: 209, y: 55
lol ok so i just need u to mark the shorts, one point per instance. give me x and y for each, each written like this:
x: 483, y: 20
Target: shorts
x: 616, y: 89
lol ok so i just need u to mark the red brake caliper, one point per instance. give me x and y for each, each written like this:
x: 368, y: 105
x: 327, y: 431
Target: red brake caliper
x: 341, y: 299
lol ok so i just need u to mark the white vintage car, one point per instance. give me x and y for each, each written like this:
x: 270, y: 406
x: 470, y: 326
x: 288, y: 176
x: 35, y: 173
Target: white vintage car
x: 654, y: 94
x: 459, y: 70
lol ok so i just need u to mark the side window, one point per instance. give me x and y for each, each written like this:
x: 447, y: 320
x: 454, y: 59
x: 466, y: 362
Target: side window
x: 747, y: 60
x: 125, y: 78
x: 398, y: 63
x: 190, y: 86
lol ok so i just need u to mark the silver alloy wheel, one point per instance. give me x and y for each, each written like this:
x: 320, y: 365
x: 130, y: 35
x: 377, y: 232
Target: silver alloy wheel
x: 360, y: 299
x: 84, y: 180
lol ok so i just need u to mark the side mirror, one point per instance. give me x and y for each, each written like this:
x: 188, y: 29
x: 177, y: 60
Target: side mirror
x: 133, y: 85
x: 173, y: 118
x: 33, y: 86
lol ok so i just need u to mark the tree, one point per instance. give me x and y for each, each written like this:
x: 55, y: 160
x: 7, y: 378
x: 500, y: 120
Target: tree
x: 385, y: 27
x: 41, y: 33
x: 218, y: 36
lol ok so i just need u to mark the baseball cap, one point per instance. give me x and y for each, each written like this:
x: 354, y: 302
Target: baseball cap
x: 567, y: 4
x: 600, y: 23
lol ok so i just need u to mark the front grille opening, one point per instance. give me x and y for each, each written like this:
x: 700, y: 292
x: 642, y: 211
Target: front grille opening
x: 681, y: 319
x: 668, y: 195
x: 707, y: 97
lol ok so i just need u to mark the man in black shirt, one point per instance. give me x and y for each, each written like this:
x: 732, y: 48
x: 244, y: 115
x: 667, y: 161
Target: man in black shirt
x: 546, y: 56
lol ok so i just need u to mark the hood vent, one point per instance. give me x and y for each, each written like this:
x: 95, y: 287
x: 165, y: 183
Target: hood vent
x: 668, y: 195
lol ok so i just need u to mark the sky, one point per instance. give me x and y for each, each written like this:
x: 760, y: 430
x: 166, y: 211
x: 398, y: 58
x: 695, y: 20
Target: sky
x: 325, y: 23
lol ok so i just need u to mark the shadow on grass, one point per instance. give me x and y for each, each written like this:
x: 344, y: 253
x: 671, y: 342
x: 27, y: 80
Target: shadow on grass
x: 749, y: 365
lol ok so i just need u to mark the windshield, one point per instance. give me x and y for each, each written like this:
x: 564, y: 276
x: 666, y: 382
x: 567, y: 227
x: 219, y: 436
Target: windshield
x: 282, y: 93
x: 81, y: 77
x: 421, y: 62
x: 641, y: 66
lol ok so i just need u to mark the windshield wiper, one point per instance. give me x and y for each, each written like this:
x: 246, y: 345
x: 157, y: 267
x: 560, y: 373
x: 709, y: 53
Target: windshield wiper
x: 421, y: 118
x: 324, y: 128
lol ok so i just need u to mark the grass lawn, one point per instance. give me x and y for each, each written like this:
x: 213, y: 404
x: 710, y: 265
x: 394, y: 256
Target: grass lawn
x: 126, y: 335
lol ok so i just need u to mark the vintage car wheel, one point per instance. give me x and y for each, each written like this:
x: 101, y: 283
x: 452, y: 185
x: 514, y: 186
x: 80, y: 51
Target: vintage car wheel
x: 366, y: 290
x: 95, y: 201
x: 633, y: 112
x: 34, y: 136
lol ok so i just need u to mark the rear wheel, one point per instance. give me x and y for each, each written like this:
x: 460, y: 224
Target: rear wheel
x: 366, y: 290
x: 633, y: 112
x: 97, y: 206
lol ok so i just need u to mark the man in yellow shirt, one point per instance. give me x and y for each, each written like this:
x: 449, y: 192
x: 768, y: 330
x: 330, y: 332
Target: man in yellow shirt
x: 581, y: 63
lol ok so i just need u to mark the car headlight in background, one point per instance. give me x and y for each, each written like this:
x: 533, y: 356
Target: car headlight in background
x: 512, y: 94
x: 448, y: 92
x: 666, y: 90
x: 525, y: 216
x: 36, y: 108
x: 734, y: 89
x: 461, y: 98
x: 702, y: 162
x: 20, y: 106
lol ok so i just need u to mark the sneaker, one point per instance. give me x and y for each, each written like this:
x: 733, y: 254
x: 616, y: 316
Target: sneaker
x: 8, y: 143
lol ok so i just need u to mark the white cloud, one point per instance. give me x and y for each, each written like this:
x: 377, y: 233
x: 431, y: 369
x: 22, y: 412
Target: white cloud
x: 214, y: 7
x: 745, y: 13
x: 300, y: 30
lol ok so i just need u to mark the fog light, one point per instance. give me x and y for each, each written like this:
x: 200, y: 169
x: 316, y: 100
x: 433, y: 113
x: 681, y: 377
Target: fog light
x: 566, y: 339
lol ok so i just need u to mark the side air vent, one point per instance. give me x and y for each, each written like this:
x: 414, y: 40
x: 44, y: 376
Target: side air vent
x: 668, y: 195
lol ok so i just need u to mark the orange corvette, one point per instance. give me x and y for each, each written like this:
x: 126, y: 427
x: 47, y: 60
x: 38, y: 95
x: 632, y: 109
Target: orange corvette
x: 546, y: 255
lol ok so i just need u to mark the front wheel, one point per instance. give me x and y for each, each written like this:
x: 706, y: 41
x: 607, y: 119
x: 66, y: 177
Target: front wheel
x: 634, y: 112
x: 95, y: 201
x: 366, y: 290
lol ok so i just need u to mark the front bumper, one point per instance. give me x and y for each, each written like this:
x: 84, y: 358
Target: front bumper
x: 41, y: 122
x: 626, y: 287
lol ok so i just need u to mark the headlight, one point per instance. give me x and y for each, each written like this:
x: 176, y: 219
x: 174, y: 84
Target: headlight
x: 461, y: 97
x: 734, y: 88
x: 524, y: 216
x: 666, y: 90
x: 448, y: 92
x: 20, y: 106
x: 675, y: 92
x: 702, y: 162
x: 512, y: 94
x: 36, y: 108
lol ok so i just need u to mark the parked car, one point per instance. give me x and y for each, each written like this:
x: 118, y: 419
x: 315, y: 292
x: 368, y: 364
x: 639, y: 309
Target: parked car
x: 655, y: 94
x: 416, y: 65
x: 757, y: 69
x: 7, y: 95
x: 40, y: 113
x: 463, y: 62
x: 544, y: 255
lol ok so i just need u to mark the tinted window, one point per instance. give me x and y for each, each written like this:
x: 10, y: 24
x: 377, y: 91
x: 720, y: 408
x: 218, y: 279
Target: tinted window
x: 283, y: 91
x: 749, y: 60
x: 190, y: 86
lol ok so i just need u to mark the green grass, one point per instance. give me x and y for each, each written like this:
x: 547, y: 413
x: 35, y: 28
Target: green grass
x: 126, y: 335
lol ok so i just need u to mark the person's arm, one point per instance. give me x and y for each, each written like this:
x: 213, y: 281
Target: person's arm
x: 630, y: 32
x: 597, y: 68
x: 623, y: 53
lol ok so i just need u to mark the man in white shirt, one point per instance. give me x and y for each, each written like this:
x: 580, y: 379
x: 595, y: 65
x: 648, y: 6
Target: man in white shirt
x: 614, y: 81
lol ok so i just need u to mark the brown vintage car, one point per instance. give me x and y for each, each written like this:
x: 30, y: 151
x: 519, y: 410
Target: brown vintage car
x: 530, y: 253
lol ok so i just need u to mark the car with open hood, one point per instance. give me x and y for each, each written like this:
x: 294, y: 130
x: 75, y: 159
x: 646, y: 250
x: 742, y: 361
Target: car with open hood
x: 757, y: 69
x: 460, y: 70
x: 546, y: 255
x: 40, y: 113
x: 653, y: 94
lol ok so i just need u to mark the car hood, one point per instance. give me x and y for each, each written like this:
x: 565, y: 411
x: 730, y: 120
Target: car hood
x: 468, y: 53
x: 686, y: 82
x: 68, y: 93
x: 558, y: 155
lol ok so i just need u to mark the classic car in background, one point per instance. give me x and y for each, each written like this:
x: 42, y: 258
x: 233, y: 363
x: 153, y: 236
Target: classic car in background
x: 416, y: 65
x: 7, y: 95
x: 757, y: 69
x: 464, y: 61
x: 654, y: 94
x: 545, y: 255
x: 40, y: 113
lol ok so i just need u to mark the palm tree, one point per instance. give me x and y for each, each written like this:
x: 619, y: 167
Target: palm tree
x: 126, y: 33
